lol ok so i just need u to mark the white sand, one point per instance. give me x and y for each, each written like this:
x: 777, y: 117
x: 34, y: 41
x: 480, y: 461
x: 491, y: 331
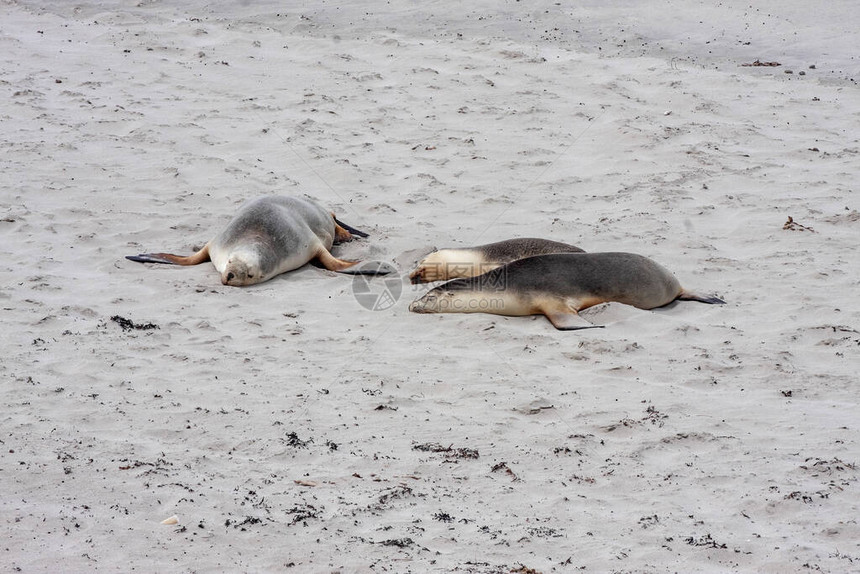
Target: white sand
x: 280, y: 422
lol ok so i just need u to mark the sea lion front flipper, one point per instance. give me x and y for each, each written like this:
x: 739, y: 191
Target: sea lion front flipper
x: 332, y: 263
x: 170, y: 259
x: 568, y: 321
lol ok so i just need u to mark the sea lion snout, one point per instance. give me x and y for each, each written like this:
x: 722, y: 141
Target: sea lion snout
x: 417, y: 306
x: 426, y: 272
x: 240, y: 272
x: 429, y: 303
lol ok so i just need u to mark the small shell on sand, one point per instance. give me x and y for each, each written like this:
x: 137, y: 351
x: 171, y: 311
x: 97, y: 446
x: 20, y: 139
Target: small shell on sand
x: 172, y: 520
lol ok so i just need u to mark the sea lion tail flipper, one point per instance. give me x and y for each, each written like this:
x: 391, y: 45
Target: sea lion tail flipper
x: 569, y: 321
x: 170, y: 259
x: 332, y: 263
x: 689, y: 296
x: 344, y: 232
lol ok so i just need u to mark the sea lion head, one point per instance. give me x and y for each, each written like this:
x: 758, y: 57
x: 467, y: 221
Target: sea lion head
x: 455, y: 296
x: 242, y: 269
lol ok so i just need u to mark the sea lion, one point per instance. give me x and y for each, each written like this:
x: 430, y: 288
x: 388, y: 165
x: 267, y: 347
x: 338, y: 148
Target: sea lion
x: 559, y: 286
x: 269, y: 236
x: 465, y: 262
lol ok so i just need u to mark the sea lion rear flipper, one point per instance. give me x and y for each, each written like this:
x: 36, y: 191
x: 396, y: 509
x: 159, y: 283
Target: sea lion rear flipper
x: 170, y: 259
x: 688, y: 296
x: 332, y: 263
x: 568, y: 321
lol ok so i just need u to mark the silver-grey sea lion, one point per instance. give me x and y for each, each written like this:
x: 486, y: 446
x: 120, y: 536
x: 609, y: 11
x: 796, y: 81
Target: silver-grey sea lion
x: 471, y: 261
x: 559, y: 286
x: 269, y: 236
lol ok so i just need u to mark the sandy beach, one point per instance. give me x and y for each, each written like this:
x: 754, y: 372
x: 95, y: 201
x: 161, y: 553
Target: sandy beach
x: 289, y: 428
